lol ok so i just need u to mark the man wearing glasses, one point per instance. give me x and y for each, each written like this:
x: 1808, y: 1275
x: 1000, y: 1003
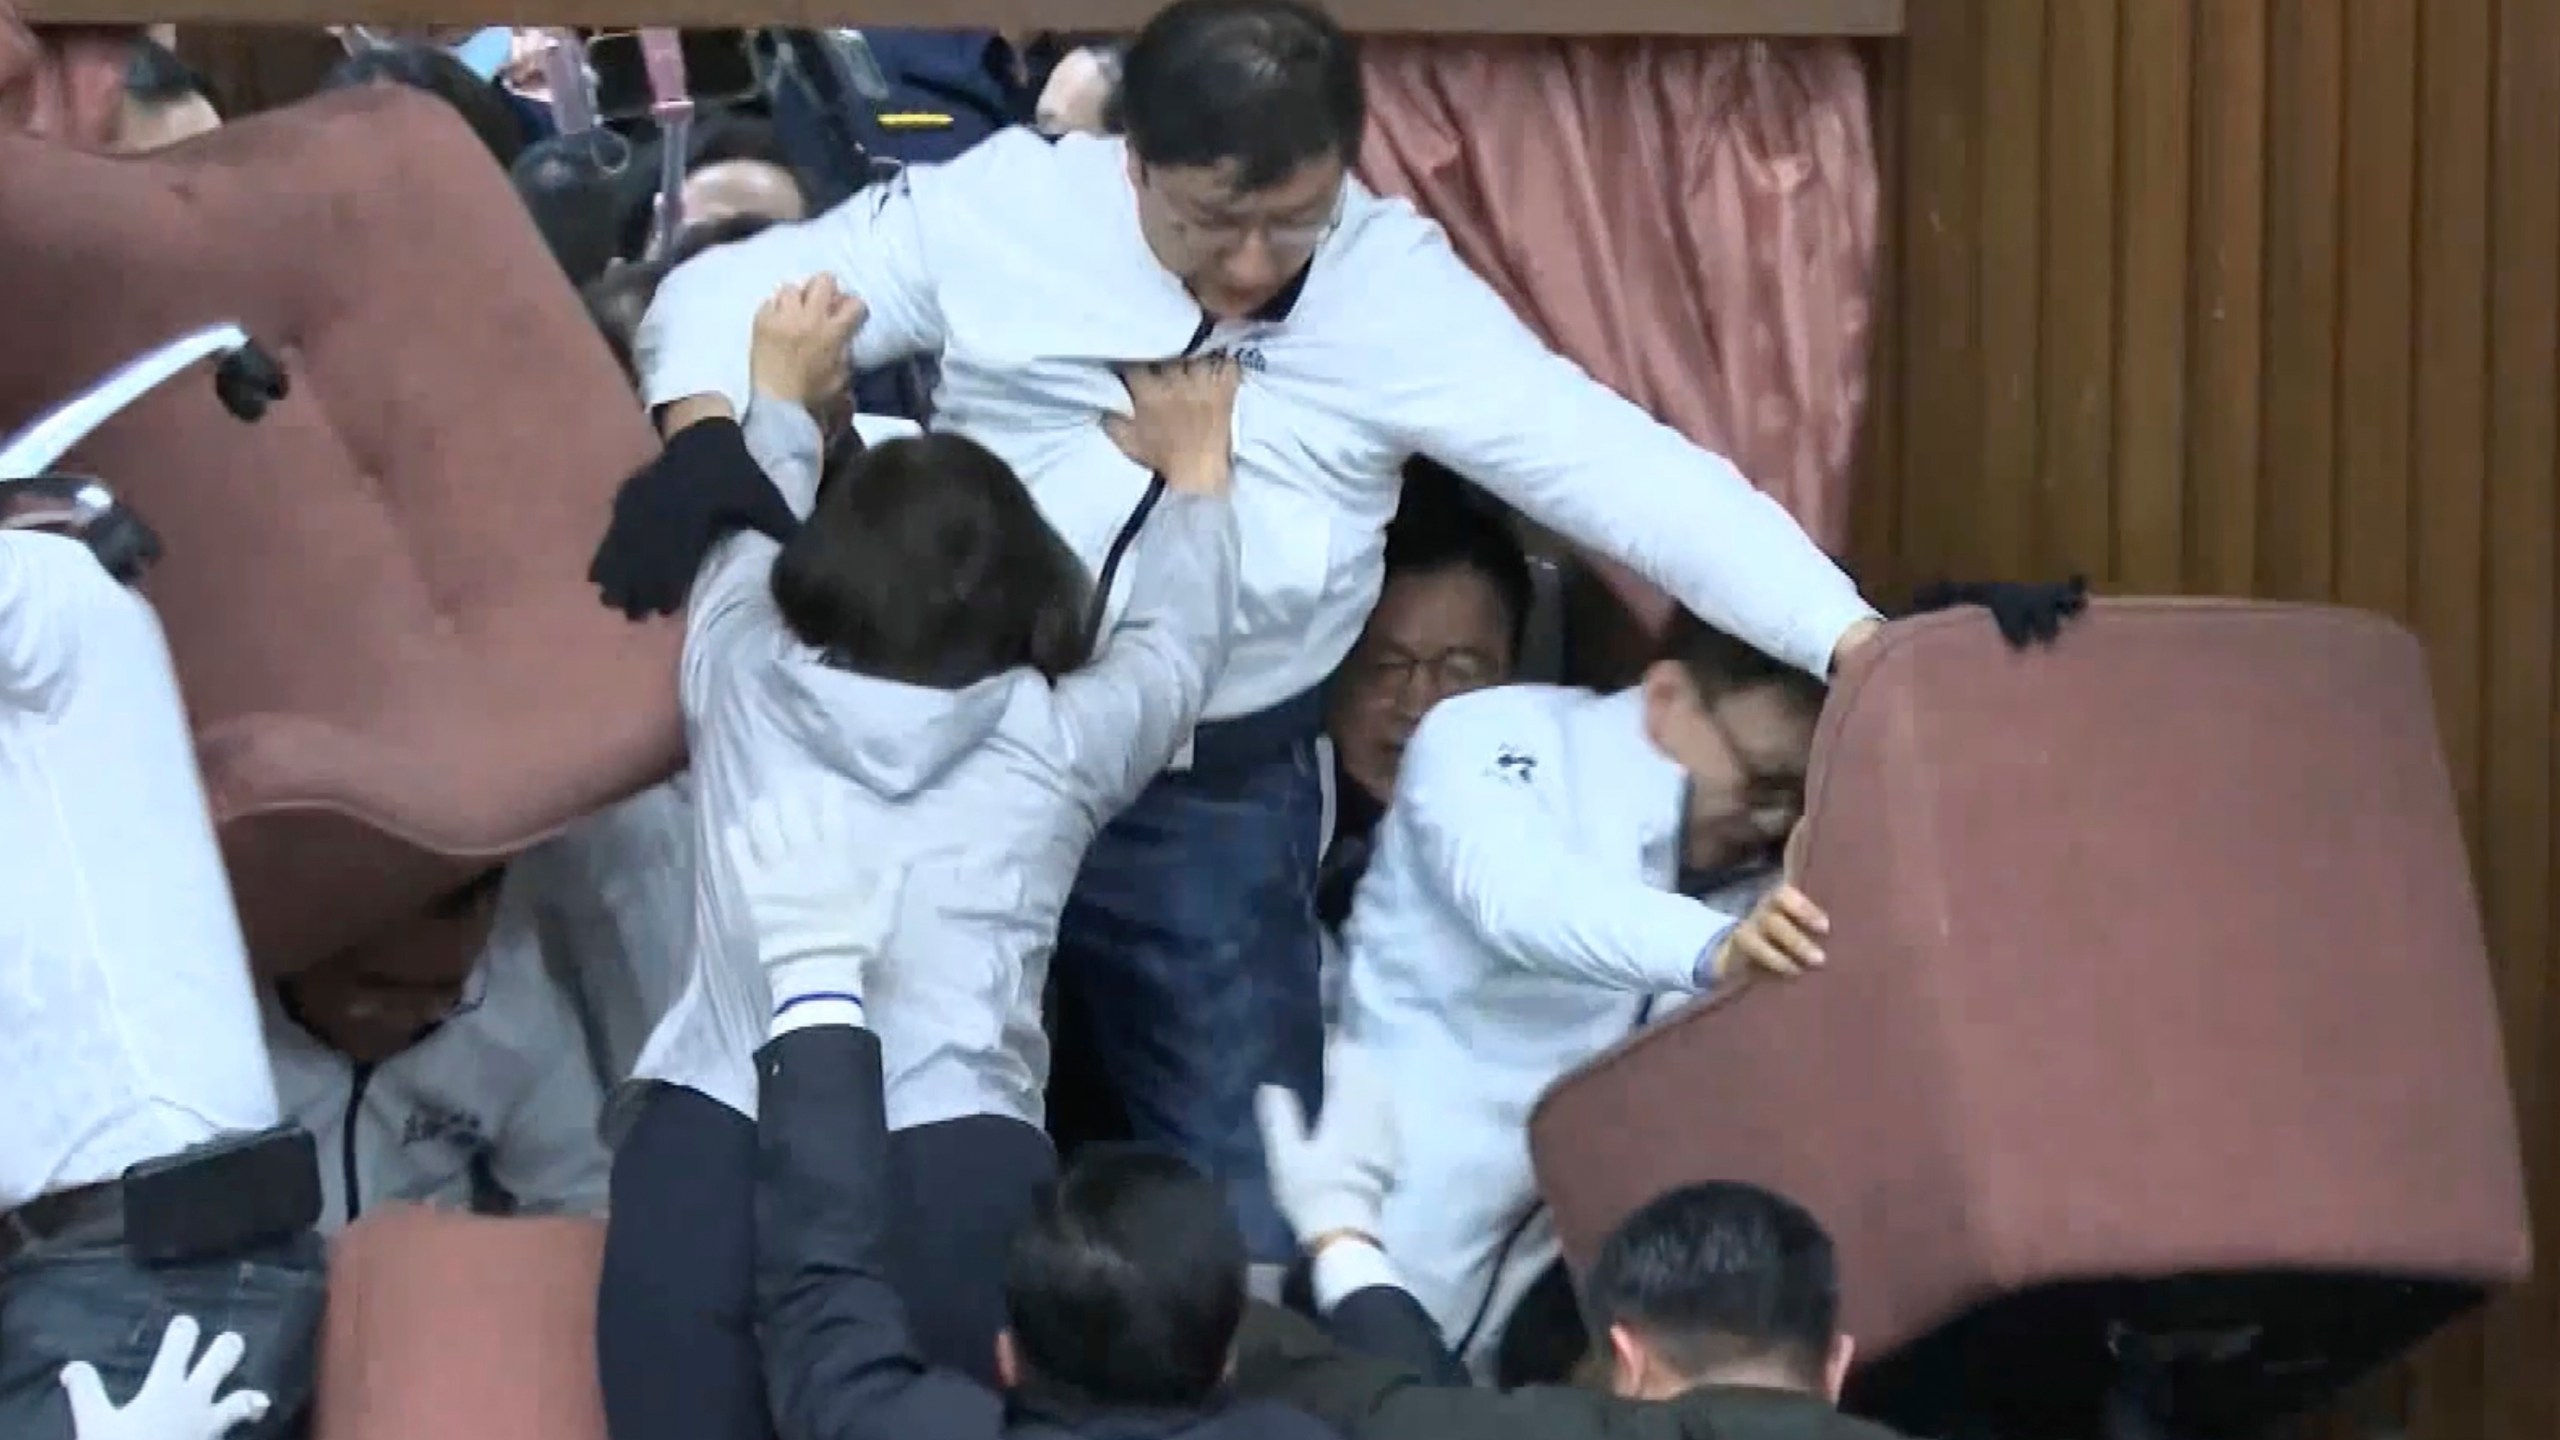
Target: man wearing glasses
x: 1558, y: 869
x: 1228, y: 222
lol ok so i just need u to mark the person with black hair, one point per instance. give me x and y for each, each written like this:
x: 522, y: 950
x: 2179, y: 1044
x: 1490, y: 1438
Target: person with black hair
x: 925, y: 643
x: 435, y: 70
x: 1122, y: 1288
x: 1716, y: 1309
x: 1452, y: 618
x: 1226, y: 221
x: 579, y: 191
x: 166, y: 100
x: 1540, y: 889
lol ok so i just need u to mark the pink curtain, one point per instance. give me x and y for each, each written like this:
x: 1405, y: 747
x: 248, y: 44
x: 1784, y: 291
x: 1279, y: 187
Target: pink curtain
x: 1692, y: 221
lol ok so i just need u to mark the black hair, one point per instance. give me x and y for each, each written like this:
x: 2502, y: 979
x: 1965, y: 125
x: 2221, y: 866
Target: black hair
x: 576, y: 189
x: 1265, y: 85
x: 926, y: 562
x: 619, y: 298
x: 1442, y: 525
x: 1125, y: 1287
x: 1718, y: 665
x: 481, y: 104
x: 1721, y: 1274
x: 156, y: 76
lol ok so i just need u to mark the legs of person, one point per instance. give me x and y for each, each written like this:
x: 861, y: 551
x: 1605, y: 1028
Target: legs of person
x: 89, y: 1300
x: 675, y: 1310
x: 1192, y: 936
x: 964, y: 1187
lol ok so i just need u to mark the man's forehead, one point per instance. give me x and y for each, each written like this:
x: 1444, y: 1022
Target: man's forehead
x: 1214, y: 187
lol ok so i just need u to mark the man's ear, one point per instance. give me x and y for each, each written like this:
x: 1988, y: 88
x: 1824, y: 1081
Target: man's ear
x: 1008, y: 1361
x: 1628, y: 1361
x: 1835, y: 1366
x: 1666, y: 691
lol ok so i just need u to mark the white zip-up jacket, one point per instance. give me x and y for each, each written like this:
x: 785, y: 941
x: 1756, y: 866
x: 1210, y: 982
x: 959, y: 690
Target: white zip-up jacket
x: 1518, y: 917
x: 1022, y: 266
x: 500, y: 1097
x: 986, y: 797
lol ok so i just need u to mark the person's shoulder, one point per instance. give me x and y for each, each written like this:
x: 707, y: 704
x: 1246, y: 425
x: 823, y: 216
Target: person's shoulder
x: 1265, y: 1420
x: 1740, y: 1413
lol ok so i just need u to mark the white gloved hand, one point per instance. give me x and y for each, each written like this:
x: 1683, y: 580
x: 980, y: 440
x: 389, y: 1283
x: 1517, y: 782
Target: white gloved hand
x: 1333, y: 1178
x: 822, y: 915
x: 175, y: 1402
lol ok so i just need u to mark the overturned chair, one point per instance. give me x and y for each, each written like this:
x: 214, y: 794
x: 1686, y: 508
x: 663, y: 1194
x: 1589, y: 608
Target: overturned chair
x: 376, y: 595
x: 2155, y: 1086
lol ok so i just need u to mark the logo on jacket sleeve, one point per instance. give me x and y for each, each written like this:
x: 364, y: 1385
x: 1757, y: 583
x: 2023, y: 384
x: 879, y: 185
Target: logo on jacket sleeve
x: 1515, y: 765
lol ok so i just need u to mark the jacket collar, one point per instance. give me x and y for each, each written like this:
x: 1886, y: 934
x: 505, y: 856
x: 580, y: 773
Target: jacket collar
x: 1039, y: 1406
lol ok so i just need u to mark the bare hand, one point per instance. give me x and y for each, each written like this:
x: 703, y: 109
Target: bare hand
x: 1182, y: 422
x: 1781, y: 936
x: 802, y: 347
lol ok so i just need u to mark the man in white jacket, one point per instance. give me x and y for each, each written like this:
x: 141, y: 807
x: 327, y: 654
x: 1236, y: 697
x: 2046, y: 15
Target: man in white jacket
x: 142, y: 1167
x: 1228, y: 222
x: 1530, y: 904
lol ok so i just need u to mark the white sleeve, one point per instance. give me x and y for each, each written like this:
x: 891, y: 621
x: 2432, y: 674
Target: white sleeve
x: 47, y: 583
x: 1128, y: 712
x: 695, y: 340
x: 549, y: 1155
x: 785, y: 443
x: 1488, y: 845
x: 1474, y: 389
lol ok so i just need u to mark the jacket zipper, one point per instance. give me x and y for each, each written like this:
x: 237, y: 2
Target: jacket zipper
x: 361, y: 1076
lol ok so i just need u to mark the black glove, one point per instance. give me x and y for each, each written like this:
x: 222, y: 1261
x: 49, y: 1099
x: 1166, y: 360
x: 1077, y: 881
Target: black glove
x: 2026, y: 614
x: 703, y: 487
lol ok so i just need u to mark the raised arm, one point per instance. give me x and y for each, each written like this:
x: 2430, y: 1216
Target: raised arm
x: 1126, y: 714
x: 1478, y: 392
x: 694, y: 340
x: 1486, y: 843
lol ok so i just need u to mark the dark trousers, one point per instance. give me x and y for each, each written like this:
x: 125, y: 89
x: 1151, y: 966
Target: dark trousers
x: 1191, y: 950
x: 85, y: 1298
x: 675, y: 1313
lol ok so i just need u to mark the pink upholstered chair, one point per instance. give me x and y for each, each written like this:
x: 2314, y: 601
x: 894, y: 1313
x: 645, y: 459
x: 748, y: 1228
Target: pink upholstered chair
x: 2158, y: 1024
x: 442, y: 1326
x: 376, y: 596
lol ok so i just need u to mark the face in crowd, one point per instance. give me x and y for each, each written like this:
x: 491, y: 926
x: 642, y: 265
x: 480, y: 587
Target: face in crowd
x: 376, y: 1000
x: 1741, y: 724
x: 1239, y: 165
x: 1449, y: 620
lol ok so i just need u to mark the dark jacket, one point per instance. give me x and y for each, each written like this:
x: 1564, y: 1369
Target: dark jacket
x: 1282, y: 1357
x: 839, y: 1363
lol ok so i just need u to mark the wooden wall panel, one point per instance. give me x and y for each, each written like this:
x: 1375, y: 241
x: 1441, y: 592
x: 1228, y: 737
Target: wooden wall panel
x: 2263, y: 297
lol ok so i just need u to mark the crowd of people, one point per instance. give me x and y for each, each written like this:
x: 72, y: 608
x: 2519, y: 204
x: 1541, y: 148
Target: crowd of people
x: 1131, y: 877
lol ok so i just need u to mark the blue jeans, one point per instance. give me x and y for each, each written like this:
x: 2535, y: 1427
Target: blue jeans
x: 1191, y: 941
x: 78, y: 1299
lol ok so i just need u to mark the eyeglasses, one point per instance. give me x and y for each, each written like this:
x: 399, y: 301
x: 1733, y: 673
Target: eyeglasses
x: 1217, y: 238
x: 1449, y: 671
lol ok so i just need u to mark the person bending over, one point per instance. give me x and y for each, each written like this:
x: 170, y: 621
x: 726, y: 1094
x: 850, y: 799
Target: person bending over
x: 1123, y: 1287
x: 474, y: 1091
x: 927, y: 640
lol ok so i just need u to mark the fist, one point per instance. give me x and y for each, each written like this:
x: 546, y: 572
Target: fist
x: 1181, y: 421
x: 803, y: 342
